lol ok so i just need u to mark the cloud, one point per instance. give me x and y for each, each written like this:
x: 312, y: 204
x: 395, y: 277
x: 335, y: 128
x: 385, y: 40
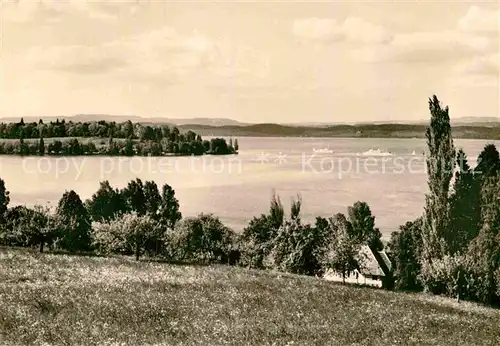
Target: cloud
x: 470, y: 38
x: 480, y: 20
x: 318, y: 29
x: 353, y: 29
x: 25, y: 11
x: 484, y: 66
x: 74, y: 59
x: 436, y: 46
x: 161, y: 57
x: 359, y: 30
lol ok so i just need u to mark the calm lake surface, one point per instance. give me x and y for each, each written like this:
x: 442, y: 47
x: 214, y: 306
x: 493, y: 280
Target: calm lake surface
x: 329, y: 174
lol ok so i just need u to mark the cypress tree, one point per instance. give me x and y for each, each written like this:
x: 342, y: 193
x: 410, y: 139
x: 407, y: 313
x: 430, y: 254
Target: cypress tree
x: 41, y: 147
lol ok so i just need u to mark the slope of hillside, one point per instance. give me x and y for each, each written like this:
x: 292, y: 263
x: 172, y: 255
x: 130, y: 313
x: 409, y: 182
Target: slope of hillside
x: 70, y: 300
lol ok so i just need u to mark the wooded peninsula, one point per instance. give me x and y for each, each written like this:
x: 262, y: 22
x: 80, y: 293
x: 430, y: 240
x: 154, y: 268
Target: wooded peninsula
x: 106, y: 138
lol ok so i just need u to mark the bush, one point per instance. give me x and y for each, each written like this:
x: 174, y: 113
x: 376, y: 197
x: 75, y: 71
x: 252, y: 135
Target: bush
x: 126, y: 235
x: 446, y: 276
x: 202, y: 239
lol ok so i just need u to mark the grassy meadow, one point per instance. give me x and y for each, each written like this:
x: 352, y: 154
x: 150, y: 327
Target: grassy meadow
x: 48, y: 299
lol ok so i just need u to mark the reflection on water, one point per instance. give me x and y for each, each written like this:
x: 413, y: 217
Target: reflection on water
x: 389, y: 174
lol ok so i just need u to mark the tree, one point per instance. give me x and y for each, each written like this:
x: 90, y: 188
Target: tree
x: 258, y: 236
x: 39, y: 227
x: 363, y: 226
x: 129, y: 147
x: 126, y: 235
x: 297, y: 248
x: 483, y: 257
x: 341, y: 253
x: 465, y: 208
x: 405, y: 247
x: 74, y: 222
x: 276, y: 211
x: 488, y: 162
x: 236, y: 146
x: 134, y: 196
x: 106, y: 204
x: 202, y: 239
x: 169, y: 213
x: 484, y: 252
x: 4, y: 199
x: 41, y: 147
x: 440, y: 165
x: 152, y: 198
x: 257, y: 241
x: 128, y: 129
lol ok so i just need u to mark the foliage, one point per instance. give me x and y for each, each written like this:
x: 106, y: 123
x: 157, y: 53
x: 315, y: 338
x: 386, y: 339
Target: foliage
x: 341, y: 253
x: 405, y: 247
x: 75, y: 227
x: 295, y: 248
x: 362, y: 228
x: 152, y: 198
x: 29, y: 227
x: 135, y: 139
x: 464, y: 208
x: 168, y: 213
x: 440, y: 164
x: 126, y: 235
x: 445, y: 275
x: 106, y: 204
x: 202, y: 239
x: 488, y: 162
x: 258, y: 236
x: 134, y: 196
x: 4, y: 199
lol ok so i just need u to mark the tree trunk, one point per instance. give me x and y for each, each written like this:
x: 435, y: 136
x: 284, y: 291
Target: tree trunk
x: 41, y: 246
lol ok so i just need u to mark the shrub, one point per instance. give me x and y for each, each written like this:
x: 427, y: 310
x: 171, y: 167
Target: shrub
x: 446, y: 276
x: 202, y: 239
x: 125, y: 235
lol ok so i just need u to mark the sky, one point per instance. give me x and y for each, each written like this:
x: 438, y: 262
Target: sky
x: 252, y: 61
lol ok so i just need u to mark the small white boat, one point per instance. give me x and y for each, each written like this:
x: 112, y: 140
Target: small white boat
x: 413, y: 153
x: 322, y: 151
x: 376, y: 152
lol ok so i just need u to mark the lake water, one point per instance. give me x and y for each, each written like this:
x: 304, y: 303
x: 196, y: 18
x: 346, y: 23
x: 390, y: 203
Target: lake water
x: 329, y: 174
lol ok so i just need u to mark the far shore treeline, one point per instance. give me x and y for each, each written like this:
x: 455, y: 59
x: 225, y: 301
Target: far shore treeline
x: 453, y: 249
x: 106, y: 138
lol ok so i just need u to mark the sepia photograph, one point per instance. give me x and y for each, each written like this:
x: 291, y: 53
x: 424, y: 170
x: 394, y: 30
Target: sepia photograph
x: 249, y: 172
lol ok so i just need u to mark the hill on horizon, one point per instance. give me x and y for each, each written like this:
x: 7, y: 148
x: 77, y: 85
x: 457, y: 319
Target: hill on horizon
x: 202, y: 121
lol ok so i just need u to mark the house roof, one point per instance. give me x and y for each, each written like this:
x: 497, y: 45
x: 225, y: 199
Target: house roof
x: 374, y: 263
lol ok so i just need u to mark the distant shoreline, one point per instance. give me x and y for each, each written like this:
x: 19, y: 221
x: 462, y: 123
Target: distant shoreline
x: 383, y: 131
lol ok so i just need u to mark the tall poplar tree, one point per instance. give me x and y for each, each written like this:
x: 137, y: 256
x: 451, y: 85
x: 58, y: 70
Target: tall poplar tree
x: 440, y: 168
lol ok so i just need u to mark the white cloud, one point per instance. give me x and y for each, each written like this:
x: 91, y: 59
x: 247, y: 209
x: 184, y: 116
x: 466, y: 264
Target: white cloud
x: 359, y: 30
x: 163, y: 57
x: 24, y: 11
x: 485, y: 65
x: 353, y: 29
x: 468, y: 40
x: 74, y: 59
x: 437, y: 46
x: 427, y: 47
x: 319, y: 29
x: 480, y: 20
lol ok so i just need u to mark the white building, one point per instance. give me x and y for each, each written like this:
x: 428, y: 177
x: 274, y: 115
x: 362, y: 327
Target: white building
x: 375, y: 268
